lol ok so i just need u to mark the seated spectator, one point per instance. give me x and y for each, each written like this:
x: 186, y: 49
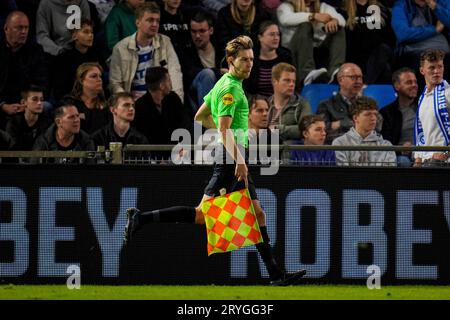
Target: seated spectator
x: 200, y: 61
x: 313, y: 132
x: 121, y: 106
x: 66, y: 64
x: 364, y: 114
x: 399, y: 116
x: 307, y: 25
x: 22, y: 63
x: 286, y: 108
x: 432, y: 127
x: 240, y: 17
x: 64, y: 135
x: 120, y: 23
x: 146, y: 48
x: 268, y: 53
x: 259, y: 132
x: 420, y: 25
x: 25, y: 127
x: 52, y: 31
x: 336, y: 110
x: 88, y: 96
x: 175, y: 24
x: 370, y: 39
x: 160, y: 111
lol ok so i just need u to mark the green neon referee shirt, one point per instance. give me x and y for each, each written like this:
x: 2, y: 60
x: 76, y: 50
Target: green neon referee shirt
x: 227, y: 99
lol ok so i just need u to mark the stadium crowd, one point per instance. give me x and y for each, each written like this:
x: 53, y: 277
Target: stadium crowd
x: 78, y: 74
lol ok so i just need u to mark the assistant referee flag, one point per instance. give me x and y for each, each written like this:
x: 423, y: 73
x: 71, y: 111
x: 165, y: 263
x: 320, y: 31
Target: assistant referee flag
x: 230, y: 222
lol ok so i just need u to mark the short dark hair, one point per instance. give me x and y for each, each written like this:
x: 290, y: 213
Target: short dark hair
x: 201, y: 16
x: 114, y: 99
x: 431, y: 55
x: 59, y: 112
x: 360, y: 104
x: 265, y: 25
x: 151, y: 7
x: 84, y: 22
x: 255, y: 97
x: 32, y: 88
x: 397, y: 74
x: 307, y: 121
x: 154, y: 76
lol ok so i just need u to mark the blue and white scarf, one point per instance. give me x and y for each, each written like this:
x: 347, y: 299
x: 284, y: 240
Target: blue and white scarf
x: 441, y: 113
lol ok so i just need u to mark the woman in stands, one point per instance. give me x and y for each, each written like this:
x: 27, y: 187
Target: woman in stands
x: 313, y: 131
x: 268, y: 53
x: 89, y: 97
x: 370, y: 39
x: 315, y: 34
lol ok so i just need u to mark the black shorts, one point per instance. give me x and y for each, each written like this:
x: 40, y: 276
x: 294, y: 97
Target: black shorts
x: 223, y: 176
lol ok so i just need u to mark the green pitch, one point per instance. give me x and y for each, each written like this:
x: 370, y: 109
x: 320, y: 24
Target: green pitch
x: 155, y: 292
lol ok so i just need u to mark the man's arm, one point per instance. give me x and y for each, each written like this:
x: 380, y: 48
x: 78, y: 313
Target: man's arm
x: 203, y: 116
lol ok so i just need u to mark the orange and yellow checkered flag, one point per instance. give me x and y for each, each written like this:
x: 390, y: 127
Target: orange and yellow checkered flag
x: 230, y: 222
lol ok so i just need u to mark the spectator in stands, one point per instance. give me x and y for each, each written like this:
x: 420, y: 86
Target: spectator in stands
x: 258, y: 116
x: 310, y: 24
x: 160, y: 111
x: 240, y: 17
x: 25, y: 127
x: 336, y: 110
x: 364, y: 114
x: 175, y: 24
x: 432, y: 127
x: 370, y: 39
x: 64, y: 135
x: 399, y: 116
x: 66, y: 64
x: 420, y: 25
x: 200, y: 61
x: 22, y: 63
x: 313, y: 132
x: 121, y: 22
x: 268, y: 53
x: 52, y: 21
x: 286, y: 108
x: 119, y: 129
x: 88, y: 96
x: 146, y: 48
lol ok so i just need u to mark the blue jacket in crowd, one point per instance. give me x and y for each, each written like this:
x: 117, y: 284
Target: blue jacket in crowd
x: 313, y: 158
x: 403, y: 13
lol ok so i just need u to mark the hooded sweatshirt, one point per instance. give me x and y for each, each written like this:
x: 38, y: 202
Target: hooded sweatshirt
x: 52, y: 20
x: 363, y: 158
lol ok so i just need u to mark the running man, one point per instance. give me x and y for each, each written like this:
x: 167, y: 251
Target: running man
x: 225, y: 108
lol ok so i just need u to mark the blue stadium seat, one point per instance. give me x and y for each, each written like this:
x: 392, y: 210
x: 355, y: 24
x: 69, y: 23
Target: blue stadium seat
x: 384, y: 94
x: 317, y: 92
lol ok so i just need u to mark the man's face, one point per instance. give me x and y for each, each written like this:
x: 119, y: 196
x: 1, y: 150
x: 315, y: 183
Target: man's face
x: 70, y: 121
x: 315, y: 134
x: 270, y: 38
x: 148, y: 24
x: 135, y: 3
x: 172, y: 4
x: 351, y: 81
x: 16, y: 31
x: 366, y: 120
x: 201, y: 34
x: 166, y: 85
x: 433, y: 72
x: 124, y: 109
x: 259, y: 115
x: 84, y: 36
x: 407, y: 85
x: 34, y: 102
x: 286, y: 84
x: 243, y: 63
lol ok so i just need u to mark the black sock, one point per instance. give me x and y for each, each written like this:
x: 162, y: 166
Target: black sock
x: 172, y: 214
x: 265, y: 251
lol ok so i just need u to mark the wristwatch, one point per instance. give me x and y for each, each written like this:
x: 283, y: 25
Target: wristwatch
x: 311, y: 17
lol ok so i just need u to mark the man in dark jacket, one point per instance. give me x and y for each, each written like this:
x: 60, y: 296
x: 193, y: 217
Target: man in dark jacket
x: 121, y: 106
x: 65, y: 135
x: 22, y: 63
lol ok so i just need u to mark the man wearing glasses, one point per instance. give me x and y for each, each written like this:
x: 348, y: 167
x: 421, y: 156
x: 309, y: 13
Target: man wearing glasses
x: 335, y: 110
